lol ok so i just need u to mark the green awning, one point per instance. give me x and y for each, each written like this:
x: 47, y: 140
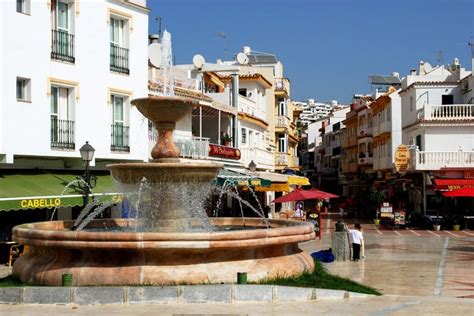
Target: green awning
x: 240, y: 179
x: 44, y: 189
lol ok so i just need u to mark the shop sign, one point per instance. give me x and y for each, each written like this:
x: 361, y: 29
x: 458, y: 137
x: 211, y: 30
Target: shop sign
x: 399, y: 218
x: 40, y: 203
x: 224, y: 152
x: 402, y: 157
x: 386, y: 210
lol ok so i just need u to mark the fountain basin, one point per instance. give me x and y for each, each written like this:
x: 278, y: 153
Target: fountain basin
x: 164, y: 172
x: 161, y: 258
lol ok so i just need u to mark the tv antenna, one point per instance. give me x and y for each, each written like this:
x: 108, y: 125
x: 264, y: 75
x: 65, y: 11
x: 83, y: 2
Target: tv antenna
x: 224, y: 37
x: 440, y: 57
x: 158, y: 21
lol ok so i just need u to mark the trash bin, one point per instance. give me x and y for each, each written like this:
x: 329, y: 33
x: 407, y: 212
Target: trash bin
x: 241, y: 277
x: 339, y: 226
x: 67, y: 279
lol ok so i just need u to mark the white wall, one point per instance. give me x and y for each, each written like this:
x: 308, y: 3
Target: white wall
x: 25, y: 127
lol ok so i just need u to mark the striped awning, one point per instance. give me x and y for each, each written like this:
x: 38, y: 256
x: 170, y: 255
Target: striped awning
x: 39, y: 189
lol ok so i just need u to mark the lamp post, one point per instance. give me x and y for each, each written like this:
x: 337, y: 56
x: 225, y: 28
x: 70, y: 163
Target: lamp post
x: 87, y: 154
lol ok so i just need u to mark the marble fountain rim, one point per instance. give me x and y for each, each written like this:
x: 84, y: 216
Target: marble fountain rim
x: 49, y: 234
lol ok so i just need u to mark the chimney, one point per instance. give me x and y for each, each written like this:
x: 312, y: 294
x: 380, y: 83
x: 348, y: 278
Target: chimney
x: 413, y: 72
x: 153, y: 38
x: 246, y: 50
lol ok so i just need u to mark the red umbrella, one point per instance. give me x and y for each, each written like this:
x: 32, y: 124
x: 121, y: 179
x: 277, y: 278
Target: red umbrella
x: 466, y: 191
x: 300, y: 195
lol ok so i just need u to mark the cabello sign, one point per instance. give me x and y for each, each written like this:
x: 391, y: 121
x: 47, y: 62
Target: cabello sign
x: 402, y: 157
x: 224, y: 152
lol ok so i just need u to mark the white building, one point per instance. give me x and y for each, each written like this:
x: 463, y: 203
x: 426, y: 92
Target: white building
x: 73, y: 82
x: 437, y: 118
x: 69, y: 71
x: 313, y: 111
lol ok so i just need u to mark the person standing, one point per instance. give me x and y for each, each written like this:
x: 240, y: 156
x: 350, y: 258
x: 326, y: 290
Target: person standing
x: 356, y: 239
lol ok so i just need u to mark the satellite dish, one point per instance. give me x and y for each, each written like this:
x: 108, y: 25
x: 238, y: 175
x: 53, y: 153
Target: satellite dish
x: 242, y: 59
x: 198, y: 61
x: 154, y: 54
x: 428, y: 67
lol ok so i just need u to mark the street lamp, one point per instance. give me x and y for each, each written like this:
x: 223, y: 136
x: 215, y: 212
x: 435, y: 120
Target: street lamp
x: 87, y: 154
x: 252, y: 166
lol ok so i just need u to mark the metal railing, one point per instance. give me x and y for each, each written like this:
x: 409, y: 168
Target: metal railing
x: 119, y: 59
x: 282, y: 84
x: 446, y: 112
x: 283, y: 122
x: 281, y: 159
x: 62, y: 46
x: 62, y: 133
x: 120, y: 138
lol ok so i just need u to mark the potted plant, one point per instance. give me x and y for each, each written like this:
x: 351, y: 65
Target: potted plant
x: 225, y: 139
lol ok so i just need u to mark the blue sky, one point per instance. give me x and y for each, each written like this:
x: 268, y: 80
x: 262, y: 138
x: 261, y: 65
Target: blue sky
x: 328, y: 47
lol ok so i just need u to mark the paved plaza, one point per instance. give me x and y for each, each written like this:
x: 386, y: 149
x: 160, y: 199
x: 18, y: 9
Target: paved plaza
x: 418, y: 271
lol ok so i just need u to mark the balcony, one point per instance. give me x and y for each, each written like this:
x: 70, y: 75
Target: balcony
x: 293, y: 162
x: 249, y: 106
x: 194, y: 148
x: 62, y: 134
x: 282, y: 85
x: 436, y: 160
x: 282, y: 122
x: 119, y: 59
x: 442, y: 113
x: 365, y: 159
x: 263, y: 158
x: 281, y: 159
x: 62, y: 46
x: 120, y: 138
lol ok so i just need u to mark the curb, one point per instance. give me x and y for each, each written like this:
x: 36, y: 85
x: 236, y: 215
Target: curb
x: 180, y: 294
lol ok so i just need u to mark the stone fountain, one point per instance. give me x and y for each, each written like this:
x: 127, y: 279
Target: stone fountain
x: 172, y: 241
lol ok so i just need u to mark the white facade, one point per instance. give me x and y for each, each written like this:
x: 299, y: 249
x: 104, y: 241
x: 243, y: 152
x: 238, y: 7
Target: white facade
x: 312, y: 111
x: 437, y: 118
x: 76, y: 85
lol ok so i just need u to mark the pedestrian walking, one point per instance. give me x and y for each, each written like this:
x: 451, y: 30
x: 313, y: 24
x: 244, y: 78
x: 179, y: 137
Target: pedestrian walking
x: 357, y: 239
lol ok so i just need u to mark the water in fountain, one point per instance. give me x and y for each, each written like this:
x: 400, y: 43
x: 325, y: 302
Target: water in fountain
x: 73, y: 182
x: 168, y: 206
x: 93, y: 215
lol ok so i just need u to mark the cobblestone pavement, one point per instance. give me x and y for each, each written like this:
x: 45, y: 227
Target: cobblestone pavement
x: 409, y: 262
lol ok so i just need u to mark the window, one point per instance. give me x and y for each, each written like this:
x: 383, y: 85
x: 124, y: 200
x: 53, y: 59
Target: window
x: 120, y: 128
x: 243, y: 92
x: 447, y: 99
x: 62, y: 46
x: 244, y: 136
x: 62, y: 118
x: 23, y: 6
x: 418, y: 142
x: 118, y: 45
x: 282, y: 110
x: 411, y: 104
x: 282, y: 144
x: 251, y: 140
x: 388, y: 114
x: 23, y: 89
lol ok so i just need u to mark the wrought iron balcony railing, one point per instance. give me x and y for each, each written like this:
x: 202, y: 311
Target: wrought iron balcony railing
x: 119, y: 59
x: 62, y: 46
x: 62, y: 133
x: 120, y: 138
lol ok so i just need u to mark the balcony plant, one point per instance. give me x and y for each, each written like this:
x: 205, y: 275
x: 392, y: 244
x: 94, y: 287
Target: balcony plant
x: 226, y: 139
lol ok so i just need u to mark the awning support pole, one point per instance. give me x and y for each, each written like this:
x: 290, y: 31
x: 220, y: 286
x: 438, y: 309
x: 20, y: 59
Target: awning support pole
x: 424, y: 193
